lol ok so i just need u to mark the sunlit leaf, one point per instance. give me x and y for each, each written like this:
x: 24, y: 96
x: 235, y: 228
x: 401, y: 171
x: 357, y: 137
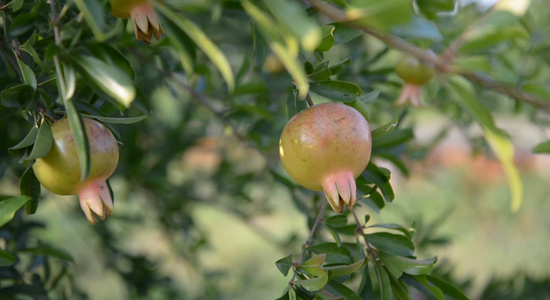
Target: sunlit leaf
x: 343, y: 270
x: 385, y: 129
x: 80, y: 138
x: 398, y: 265
x: 43, y: 142
x: 9, y: 205
x: 313, y: 284
x: 201, y: 39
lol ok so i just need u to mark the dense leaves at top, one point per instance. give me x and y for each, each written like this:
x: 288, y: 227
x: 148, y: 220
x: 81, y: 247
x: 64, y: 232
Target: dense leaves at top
x: 224, y: 80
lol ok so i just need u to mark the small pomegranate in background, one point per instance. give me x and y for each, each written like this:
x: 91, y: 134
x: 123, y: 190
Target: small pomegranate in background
x: 59, y: 170
x: 324, y: 148
x: 415, y: 73
x: 144, y: 18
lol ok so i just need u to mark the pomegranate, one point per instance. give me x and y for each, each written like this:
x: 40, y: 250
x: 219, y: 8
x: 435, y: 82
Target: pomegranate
x: 324, y: 148
x: 144, y: 18
x: 59, y: 170
x: 415, y: 73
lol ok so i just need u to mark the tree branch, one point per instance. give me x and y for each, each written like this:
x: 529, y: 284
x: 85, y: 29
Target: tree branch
x: 442, y: 64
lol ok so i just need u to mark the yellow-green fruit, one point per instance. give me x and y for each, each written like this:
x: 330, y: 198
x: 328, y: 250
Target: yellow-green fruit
x: 59, y: 170
x: 324, y: 148
x: 414, y: 71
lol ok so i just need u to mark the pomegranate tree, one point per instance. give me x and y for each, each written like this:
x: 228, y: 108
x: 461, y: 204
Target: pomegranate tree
x: 415, y: 73
x: 59, y: 170
x: 324, y: 148
x: 144, y: 18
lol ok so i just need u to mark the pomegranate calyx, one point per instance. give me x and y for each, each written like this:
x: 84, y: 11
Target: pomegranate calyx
x: 340, y: 190
x: 410, y: 94
x: 96, y: 199
x: 146, y: 23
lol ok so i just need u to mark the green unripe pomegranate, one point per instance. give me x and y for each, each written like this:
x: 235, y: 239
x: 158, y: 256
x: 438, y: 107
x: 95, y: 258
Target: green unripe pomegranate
x: 324, y: 148
x: 415, y: 73
x: 59, y: 170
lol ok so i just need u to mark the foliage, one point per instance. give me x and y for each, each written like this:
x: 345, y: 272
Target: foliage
x: 222, y: 83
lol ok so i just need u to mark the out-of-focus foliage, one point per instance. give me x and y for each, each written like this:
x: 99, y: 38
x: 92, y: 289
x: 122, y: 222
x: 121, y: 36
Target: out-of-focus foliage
x: 198, y: 115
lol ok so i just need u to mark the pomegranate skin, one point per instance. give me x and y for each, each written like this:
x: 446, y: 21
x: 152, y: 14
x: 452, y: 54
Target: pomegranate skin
x: 59, y: 170
x: 324, y: 148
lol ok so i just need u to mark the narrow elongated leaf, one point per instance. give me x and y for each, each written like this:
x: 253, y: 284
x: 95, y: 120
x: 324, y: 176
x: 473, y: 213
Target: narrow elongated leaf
x: 337, y: 90
x: 108, y: 78
x: 395, y: 244
x: 27, y: 73
x: 375, y: 175
x: 341, y: 291
x: 111, y: 120
x: 30, y: 186
x: 93, y: 14
x: 397, y: 227
x: 69, y: 78
x: 313, y: 284
x: 49, y: 251
x: 384, y: 283
x: 214, y: 53
x: 43, y: 142
x: 80, y: 138
x: 421, y: 283
x: 8, y: 207
x: 398, y: 265
x: 447, y: 288
x: 385, y: 129
x: 28, y: 140
x: 293, y: 17
x: 395, y: 138
x: 542, y: 148
x: 6, y: 259
x: 399, y: 289
x: 500, y: 144
x: 345, y: 269
x: 284, y: 264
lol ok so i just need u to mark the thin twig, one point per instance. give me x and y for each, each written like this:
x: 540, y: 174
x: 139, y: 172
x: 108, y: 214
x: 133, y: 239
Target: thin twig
x: 442, y: 64
x: 310, y: 238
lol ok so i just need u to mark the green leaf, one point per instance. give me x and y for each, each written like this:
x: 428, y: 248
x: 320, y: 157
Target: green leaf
x: 338, y: 289
x: 337, y: 90
x: 93, y: 14
x: 418, y: 28
x: 28, y: 140
x: 374, y: 200
x: 335, y: 254
x: 447, y: 288
x: 399, y: 289
x: 375, y: 175
x: 370, y: 97
x: 294, y: 105
x: 6, y: 259
x: 194, y: 32
x: 430, y: 8
x: 27, y: 73
x: 108, y: 78
x: 542, y: 148
x: 397, y: 227
x: 497, y: 139
x: 327, y: 40
x: 69, y: 80
x: 381, y: 15
x: 111, y: 120
x: 313, y: 266
x: 43, y: 142
x: 80, y: 138
x: 398, y: 265
x: 30, y: 187
x: 343, y: 270
x: 396, y: 244
x: 284, y: 264
x: 285, y: 47
x: 361, y: 107
x: 421, y: 283
x: 9, y: 205
x: 343, y: 33
x: 395, y: 138
x: 335, y: 235
x: 337, y: 221
x: 49, y: 251
x: 339, y: 66
x: 384, y: 283
x: 385, y: 129
x: 313, y: 284
x: 17, y: 96
x: 292, y: 16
